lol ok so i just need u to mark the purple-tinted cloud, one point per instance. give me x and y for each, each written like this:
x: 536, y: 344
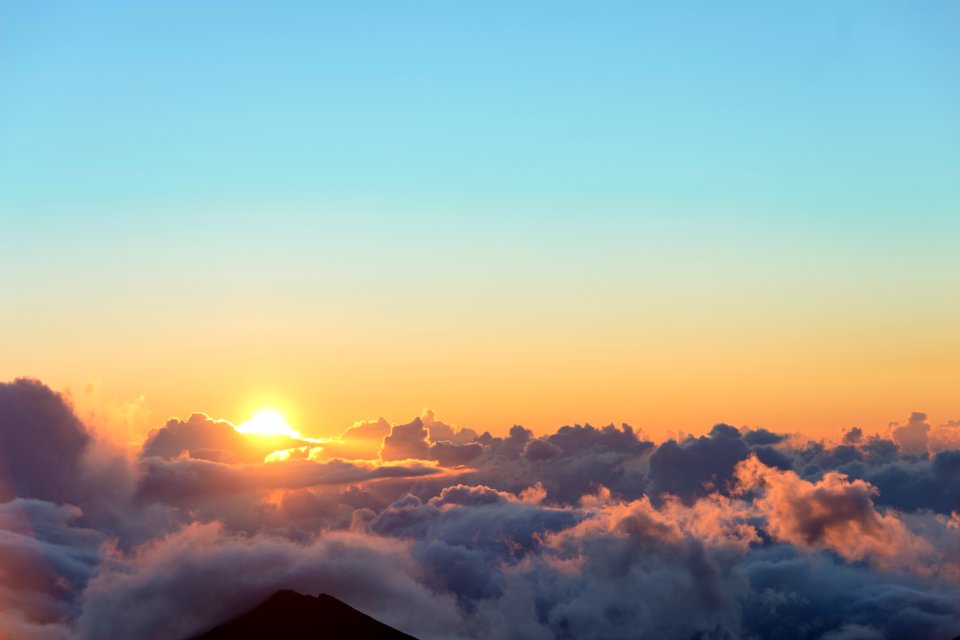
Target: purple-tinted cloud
x: 581, y: 533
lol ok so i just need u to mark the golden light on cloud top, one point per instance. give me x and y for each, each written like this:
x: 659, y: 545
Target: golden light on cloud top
x: 268, y: 422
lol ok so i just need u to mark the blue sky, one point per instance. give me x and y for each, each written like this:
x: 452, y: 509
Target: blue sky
x: 606, y: 105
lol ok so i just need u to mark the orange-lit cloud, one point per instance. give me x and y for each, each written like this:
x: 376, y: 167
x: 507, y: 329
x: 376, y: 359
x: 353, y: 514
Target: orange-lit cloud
x: 488, y: 536
x: 833, y: 513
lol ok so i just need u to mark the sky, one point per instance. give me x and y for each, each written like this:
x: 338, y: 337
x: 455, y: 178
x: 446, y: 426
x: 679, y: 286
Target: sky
x: 670, y: 215
x: 280, y: 283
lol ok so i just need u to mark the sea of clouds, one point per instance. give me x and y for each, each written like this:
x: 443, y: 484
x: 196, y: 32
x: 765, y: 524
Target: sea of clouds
x: 446, y: 533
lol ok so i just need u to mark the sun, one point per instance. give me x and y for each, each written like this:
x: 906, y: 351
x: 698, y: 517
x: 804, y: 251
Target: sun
x: 268, y: 423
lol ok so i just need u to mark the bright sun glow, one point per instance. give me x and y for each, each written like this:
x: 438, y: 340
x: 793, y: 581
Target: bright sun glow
x: 268, y: 422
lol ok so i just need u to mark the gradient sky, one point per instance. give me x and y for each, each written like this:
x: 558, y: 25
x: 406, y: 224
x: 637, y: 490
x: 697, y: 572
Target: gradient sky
x: 668, y: 214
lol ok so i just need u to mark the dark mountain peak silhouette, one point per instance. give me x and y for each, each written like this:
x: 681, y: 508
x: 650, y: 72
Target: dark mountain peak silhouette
x: 288, y: 615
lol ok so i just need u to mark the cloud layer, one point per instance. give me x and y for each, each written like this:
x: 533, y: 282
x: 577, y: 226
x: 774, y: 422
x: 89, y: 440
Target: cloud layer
x: 446, y: 533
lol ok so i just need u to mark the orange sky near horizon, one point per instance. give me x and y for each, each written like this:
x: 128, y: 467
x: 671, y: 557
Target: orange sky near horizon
x: 672, y: 382
x: 816, y: 350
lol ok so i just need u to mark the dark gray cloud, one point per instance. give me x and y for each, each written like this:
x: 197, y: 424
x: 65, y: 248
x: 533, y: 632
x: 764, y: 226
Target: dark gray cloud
x: 579, y: 440
x: 568, y: 464
x: 538, y: 450
x: 696, y: 467
x: 853, y: 436
x: 912, y: 485
x: 42, y: 444
x: 762, y: 437
x: 792, y: 595
x: 451, y: 454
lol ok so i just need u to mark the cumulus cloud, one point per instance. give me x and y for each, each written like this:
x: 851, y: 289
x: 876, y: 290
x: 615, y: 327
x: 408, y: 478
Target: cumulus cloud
x: 46, y: 561
x: 451, y: 454
x: 853, y: 436
x: 42, y: 444
x: 362, y: 441
x: 835, y: 514
x: 912, y: 437
x: 202, y: 438
x: 586, y: 532
x: 944, y: 437
x: 537, y: 450
x: 441, y: 432
x: 695, y: 467
x: 406, y: 441
x: 426, y: 438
